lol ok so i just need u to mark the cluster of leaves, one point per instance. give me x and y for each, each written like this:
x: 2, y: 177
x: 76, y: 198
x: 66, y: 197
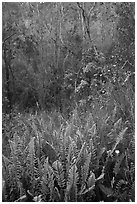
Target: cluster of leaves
x: 85, y: 158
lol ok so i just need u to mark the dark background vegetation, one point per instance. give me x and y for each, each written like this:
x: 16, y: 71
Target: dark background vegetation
x: 47, y: 45
x: 66, y: 61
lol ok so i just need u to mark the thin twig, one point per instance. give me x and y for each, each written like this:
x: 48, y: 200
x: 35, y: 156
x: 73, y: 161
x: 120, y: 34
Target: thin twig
x: 8, y: 37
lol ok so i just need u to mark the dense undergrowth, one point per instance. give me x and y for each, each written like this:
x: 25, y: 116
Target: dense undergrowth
x: 68, y: 102
x: 88, y: 157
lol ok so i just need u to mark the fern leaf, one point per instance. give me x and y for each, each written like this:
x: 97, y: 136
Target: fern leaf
x: 118, y: 139
x: 56, y: 195
x: 132, y: 192
x: 132, y: 171
x: 72, y: 184
x: 16, y: 157
x: 81, y: 152
x: 59, y: 173
x: 118, y: 186
x: 85, y: 167
x: 47, y: 183
x: 94, y: 156
x: 92, y: 131
x: 31, y: 154
x: 121, y: 134
x: 6, y: 169
x: 30, y: 162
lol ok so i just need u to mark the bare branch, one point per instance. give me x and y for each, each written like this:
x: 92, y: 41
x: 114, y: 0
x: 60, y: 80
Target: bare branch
x: 8, y: 37
x: 91, y: 9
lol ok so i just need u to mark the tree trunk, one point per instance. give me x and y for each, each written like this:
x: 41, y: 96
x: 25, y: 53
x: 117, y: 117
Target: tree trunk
x: 7, y: 74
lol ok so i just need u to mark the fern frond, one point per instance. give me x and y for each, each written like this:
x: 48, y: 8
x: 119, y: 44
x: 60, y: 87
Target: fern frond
x: 31, y: 155
x: 132, y: 192
x: 131, y: 150
x: 59, y: 173
x: 11, y: 179
x: 31, y: 167
x: 132, y: 171
x: 71, y: 191
x: 91, y: 132
x: 81, y: 152
x: 6, y: 165
x: 16, y: 157
x: 118, y: 139
x: 47, y: 182
x: 118, y: 187
x: 85, y: 168
x: 56, y: 195
x: 94, y: 154
x: 89, y: 122
x: 72, y: 151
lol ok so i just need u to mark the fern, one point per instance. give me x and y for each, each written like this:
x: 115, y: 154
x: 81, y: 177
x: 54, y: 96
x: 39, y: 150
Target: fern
x: 85, y: 168
x: 74, y: 164
x: 118, y: 139
x: 71, y: 190
x: 132, y: 192
x: 131, y: 150
x: 91, y: 132
x: 83, y: 163
x: 7, y: 177
x: 47, y: 181
x: 11, y: 177
x: 132, y: 171
x: 65, y: 154
x: 72, y: 152
x: 32, y: 169
x: 119, y: 185
x: 17, y: 159
x: 31, y: 157
x: 59, y: 173
x: 56, y: 195
x: 94, y: 154
x: 80, y: 152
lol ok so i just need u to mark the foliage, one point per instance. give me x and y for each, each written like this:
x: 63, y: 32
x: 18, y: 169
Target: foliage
x: 79, y: 171
x: 68, y: 122
x: 45, y: 55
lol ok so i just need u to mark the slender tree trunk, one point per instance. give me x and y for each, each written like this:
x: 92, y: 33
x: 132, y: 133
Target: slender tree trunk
x: 7, y: 74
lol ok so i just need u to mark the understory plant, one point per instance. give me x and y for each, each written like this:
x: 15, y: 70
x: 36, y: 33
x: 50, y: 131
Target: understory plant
x: 84, y: 158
